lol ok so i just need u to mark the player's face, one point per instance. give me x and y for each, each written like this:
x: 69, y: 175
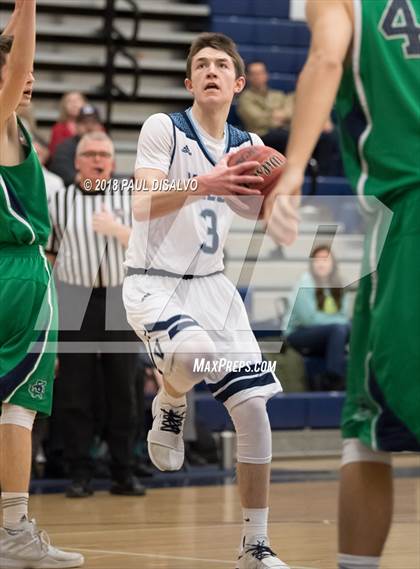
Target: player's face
x: 27, y: 91
x: 3, y: 72
x: 95, y: 160
x: 213, y: 77
x: 322, y: 264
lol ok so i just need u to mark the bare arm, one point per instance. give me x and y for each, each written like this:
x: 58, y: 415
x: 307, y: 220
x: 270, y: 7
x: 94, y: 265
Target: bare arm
x: 332, y: 31
x: 222, y: 180
x: 20, y: 60
x: 148, y: 204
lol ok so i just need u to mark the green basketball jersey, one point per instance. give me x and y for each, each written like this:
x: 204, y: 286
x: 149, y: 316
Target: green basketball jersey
x: 378, y: 104
x: 24, y: 218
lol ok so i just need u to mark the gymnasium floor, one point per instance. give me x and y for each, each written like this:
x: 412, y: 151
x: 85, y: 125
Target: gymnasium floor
x: 198, y: 527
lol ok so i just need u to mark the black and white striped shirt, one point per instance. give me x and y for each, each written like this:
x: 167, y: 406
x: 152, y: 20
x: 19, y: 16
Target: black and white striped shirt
x: 84, y: 257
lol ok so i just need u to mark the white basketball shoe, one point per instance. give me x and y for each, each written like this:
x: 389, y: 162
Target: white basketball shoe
x: 29, y: 548
x: 165, y: 439
x: 257, y: 554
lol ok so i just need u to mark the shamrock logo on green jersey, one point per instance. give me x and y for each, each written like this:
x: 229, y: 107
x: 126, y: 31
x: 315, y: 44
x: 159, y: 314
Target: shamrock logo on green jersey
x: 37, y: 389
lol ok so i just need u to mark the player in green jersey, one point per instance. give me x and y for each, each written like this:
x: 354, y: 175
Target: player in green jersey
x: 367, y: 53
x: 27, y: 303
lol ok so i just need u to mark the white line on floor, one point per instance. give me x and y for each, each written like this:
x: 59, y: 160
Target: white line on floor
x: 173, y: 557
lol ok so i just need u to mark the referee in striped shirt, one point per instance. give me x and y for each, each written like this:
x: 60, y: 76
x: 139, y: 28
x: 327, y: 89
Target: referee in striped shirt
x: 91, y: 229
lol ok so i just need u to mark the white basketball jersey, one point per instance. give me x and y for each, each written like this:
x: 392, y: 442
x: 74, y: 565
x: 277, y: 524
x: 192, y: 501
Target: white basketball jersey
x: 191, y: 239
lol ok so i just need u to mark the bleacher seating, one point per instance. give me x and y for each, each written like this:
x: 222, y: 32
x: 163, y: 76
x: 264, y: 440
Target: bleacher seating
x: 286, y: 411
x: 277, y: 59
x: 263, y: 32
x: 265, y: 8
x: 152, y: 37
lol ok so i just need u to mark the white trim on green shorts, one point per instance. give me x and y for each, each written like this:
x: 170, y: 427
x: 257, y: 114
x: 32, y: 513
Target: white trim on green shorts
x: 12, y: 211
x: 357, y: 44
x: 41, y: 353
x: 373, y: 437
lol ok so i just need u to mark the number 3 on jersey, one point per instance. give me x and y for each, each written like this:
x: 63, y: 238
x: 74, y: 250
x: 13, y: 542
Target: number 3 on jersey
x: 213, y: 244
x: 399, y: 21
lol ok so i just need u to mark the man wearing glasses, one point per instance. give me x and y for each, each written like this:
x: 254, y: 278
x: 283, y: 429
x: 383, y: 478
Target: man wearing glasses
x: 91, y: 227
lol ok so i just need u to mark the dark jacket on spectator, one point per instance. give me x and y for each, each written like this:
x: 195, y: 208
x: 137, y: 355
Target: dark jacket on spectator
x: 62, y: 163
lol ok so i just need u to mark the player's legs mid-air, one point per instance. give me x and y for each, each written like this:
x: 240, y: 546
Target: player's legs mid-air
x: 180, y: 336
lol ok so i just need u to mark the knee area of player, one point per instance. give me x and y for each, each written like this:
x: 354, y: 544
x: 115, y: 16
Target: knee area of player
x: 355, y: 451
x: 252, y: 426
x: 196, y: 357
x: 17, y: 416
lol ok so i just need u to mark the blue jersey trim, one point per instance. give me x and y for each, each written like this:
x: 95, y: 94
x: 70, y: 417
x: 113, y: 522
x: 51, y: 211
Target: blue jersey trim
x: 197, y: 138
x: 179, y: 326
x: 181, y: 122
x: 165, y: 324
x: 174, y: 131
x: 246, y: 383
x: 237, y: 137
x: 14, y: 202
x: 243, y: 372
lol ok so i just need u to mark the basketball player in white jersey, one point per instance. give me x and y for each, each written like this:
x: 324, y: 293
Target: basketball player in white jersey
x: 177, y: 299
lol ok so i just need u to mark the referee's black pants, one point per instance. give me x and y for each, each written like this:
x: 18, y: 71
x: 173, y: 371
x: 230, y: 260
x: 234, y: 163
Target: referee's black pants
x: 77, y: 390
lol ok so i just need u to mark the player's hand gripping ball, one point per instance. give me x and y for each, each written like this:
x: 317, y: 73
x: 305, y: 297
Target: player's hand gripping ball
x: 271, y: 167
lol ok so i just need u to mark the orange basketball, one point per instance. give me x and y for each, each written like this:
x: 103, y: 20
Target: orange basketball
x: 271, y: 167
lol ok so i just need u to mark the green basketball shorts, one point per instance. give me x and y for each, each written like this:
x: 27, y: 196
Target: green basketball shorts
x: 382, y: 406
x: 28, y: 331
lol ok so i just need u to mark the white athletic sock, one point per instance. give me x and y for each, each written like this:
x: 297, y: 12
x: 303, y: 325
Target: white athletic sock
x: 164, y: 397
x: 357, y: 562
x: 255, y: 523
x: 15, y: 507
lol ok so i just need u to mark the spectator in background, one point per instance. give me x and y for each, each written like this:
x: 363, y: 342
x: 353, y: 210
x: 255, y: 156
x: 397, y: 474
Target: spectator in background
x: 268, y: 112
x: 89, y: 255
x: 63, y: 161
x: 53, y: 183
x: 262, y: 109
x: 319, y: 324
x: 70, y: 106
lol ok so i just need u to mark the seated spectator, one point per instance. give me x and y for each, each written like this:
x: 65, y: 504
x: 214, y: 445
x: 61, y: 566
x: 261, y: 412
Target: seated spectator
x: 319, y: 324
x: 63, y: 161
x: 268, y: 113
x: 70, y: 106
x: 262, y: 109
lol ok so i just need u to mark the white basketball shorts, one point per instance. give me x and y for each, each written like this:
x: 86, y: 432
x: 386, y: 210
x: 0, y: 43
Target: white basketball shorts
x: 166, y: 313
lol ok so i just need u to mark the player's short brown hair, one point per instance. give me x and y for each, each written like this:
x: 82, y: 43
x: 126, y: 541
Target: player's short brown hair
x: 220, y: 42
x: 6, y: 43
